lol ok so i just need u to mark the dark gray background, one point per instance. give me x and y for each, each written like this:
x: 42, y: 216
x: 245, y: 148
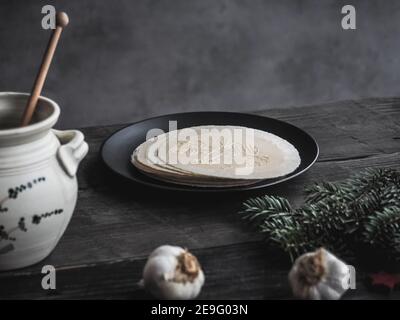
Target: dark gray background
x: 121, y: 61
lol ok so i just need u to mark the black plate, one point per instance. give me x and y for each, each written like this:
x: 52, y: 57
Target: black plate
x: 117, y: 149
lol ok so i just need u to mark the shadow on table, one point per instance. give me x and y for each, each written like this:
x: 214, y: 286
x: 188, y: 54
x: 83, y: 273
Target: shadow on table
x: 97, y: 176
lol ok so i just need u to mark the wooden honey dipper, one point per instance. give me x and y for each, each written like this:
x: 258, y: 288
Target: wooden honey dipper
x: 61, y: 22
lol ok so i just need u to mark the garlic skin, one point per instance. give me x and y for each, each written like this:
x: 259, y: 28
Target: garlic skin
x: 173, y: 273
x: 319, y: 275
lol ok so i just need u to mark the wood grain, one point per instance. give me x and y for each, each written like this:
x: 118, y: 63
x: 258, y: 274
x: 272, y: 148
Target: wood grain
x: 244, y: 271
x: 116, y: 224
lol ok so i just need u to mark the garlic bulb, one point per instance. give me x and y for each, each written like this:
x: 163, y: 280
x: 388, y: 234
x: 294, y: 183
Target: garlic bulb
x: 319, y: 275
x: 173, y: 273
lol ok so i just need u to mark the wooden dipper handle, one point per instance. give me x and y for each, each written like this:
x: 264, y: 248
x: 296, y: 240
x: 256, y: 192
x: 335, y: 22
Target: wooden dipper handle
x: 62, y: 22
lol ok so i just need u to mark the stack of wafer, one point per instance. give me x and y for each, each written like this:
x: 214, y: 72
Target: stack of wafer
x: 216, y: 156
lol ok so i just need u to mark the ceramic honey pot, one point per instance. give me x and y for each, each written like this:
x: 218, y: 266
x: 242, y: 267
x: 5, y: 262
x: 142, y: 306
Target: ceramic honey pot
x: 38, y: 185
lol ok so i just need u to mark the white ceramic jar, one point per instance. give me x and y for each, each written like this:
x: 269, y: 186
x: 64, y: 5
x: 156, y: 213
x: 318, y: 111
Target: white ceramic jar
x: 38, y: 186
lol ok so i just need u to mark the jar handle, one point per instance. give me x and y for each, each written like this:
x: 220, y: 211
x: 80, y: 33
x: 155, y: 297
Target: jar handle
x: 72, y: 150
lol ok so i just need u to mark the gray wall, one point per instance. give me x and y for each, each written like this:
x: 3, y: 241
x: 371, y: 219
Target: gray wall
x: 121, y: 61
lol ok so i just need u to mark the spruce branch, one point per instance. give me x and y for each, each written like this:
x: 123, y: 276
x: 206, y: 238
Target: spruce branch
x: 383, y: 231
x: 270, y: 207
x: 363, y: 209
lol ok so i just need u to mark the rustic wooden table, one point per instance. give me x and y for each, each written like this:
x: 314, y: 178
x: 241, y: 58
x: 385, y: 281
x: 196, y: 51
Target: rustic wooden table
x: 117, y: 224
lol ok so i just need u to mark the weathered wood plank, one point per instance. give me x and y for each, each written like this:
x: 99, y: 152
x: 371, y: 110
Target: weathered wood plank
x: 344, y: 131
x: 244, y: 271
x: 128, y: 223
x: 389, y: 107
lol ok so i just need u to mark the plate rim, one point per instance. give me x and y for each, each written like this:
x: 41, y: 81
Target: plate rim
x: 183, y: 188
